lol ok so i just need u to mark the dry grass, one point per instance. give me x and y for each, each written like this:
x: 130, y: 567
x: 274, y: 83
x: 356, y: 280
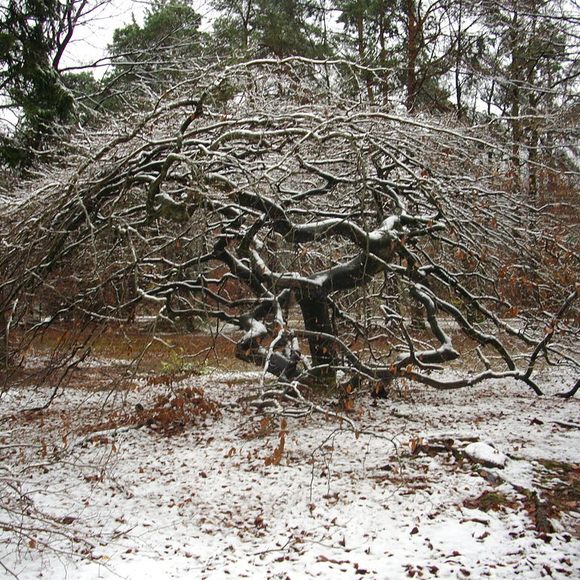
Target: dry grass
x: 114, y: 356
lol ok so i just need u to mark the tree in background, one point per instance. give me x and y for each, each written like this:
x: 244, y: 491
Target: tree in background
x: 170, y: 30
x: 146, y: 56
x: 278, y: 28
x: 369, y: 27
x: 405, y: 42
x: 33, y: 39
x: 467, y: 45
x: 427, y: 51
x: 534, y: 68
x: 283, y: 28
x: 30, y: 49
x: 233, y: 29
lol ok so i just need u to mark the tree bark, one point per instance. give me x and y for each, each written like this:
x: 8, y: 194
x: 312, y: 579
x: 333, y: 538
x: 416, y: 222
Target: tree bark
x: 4, y: 331
x: 3, y: 341
x: 316, y: 316
x: 515, y: 98
x: 363, y: 57
x: 412, y: 53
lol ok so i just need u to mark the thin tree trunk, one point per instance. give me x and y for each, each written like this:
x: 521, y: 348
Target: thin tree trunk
x: 362, y: 55
x: 4, y: 331
x: 515, y: 99
x: 412, y: 53
x: 3, y: 341
x: 246, y: 16
x: 459, y: 55
x: 383, y: 52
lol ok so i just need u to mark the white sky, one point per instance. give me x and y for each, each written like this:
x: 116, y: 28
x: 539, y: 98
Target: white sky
x: 91, y: 39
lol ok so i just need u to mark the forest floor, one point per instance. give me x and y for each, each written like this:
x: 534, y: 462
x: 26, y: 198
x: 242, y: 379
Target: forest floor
x: 179, y: 477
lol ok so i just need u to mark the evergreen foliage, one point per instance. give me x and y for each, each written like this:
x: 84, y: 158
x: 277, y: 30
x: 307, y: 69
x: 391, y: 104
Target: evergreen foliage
x: 509, y: 63
x: 29, y: 77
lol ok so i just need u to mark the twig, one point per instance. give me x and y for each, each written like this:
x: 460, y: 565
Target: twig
x: 282, y: 548
x: 8, y: 571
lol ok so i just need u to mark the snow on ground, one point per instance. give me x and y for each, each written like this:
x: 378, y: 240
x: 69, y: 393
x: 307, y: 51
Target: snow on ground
x: 226, y: 499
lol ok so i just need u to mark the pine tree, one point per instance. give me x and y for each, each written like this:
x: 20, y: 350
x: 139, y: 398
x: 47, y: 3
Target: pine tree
x: 277, y: 28
x: 30, y: 50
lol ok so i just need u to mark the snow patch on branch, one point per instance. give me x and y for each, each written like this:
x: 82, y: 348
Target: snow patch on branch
x: 255, y: 330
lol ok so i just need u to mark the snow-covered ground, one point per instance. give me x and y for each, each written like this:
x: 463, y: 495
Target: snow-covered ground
x: 238, y: 496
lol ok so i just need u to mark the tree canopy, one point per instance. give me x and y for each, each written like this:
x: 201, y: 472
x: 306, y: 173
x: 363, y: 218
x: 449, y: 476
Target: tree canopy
x: 290, y: 196
x: 30, y: 49
x: 338, y: 238
x: 169, y: 27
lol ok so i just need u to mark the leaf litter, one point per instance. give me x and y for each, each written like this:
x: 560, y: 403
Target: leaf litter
x: 186, y: 481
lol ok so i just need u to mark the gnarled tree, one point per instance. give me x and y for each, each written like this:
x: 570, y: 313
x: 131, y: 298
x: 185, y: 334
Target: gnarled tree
x: 258, y: 195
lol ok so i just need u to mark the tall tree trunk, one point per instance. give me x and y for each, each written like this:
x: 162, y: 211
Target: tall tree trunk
x: 533, y: 145
x: 246, y: 17
x: 362, y: 55
x: 515, y: 70
x: 532, y: 104
x: 4, y: 318
x: 383, y: 51
x: 412, y: 53
x: 3, y: 342
x: 458, y: 59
